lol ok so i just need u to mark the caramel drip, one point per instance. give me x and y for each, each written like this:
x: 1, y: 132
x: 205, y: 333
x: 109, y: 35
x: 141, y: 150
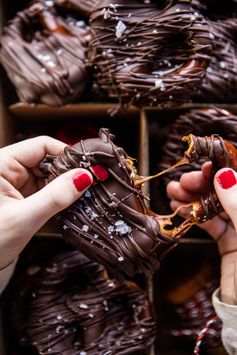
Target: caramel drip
x: 142, y: 180
x: 166, y: 220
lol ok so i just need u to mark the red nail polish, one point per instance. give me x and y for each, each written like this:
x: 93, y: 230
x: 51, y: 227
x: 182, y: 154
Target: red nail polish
x: 227, y: 179
x: 100, y: 172
x: 81, y: 181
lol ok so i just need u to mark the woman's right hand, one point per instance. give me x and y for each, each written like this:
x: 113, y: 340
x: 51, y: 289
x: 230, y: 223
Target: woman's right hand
x: 222, y: 228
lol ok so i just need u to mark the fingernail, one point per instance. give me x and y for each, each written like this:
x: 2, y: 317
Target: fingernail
x: 100, y: 172
x: 81, y: 181
x: 227, y: 179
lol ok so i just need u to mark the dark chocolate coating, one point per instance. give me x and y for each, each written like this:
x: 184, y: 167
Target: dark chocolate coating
x: 69, y: 306
x: 199, y: 122
x: 220, y: 81
x: 149, y: 53
x: 111, y: 222
x: 44, y: 55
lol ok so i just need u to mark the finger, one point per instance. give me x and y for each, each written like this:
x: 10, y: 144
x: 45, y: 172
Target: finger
x: 207, y: 170
x: 194, y: 182
x: 225, y: 182
x: 31, y: 152
x: 38, y: 208
x: 177, y: 192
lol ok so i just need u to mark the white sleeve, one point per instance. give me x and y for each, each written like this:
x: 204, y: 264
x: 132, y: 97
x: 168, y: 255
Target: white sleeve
x: 5, y: 275
x: 228, y: 314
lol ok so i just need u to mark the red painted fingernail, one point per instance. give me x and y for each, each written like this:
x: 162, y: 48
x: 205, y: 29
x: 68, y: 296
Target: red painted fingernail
x: 100, y: 172
x: 81, y: 181
x: 227, y: 179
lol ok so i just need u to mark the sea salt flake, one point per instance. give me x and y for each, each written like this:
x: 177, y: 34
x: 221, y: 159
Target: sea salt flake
x: 110, y: 229
x: 85, y: 228
x: 80, y: 23
x: 106, y: 13
x: 120, y: 28
x: 88, y: 194
x: 120, y: 259
x: 83, y: 306
x: 159, y: 84
x: 222, y: 64
x: 121, y: 227
x: 49, y: 3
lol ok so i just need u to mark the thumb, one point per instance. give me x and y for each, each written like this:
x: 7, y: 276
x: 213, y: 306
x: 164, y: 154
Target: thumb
x: 53, y: 198
x: 225, y: 183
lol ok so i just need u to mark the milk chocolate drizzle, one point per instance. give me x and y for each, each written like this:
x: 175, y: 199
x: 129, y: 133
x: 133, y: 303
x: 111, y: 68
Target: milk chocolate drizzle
x: 44, y: 54
x: 149, y: 53
x: 70, y: 306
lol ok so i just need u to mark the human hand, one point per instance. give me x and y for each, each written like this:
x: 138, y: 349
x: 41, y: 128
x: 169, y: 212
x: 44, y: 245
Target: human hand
x: 222, y: 228
x: 25, y: 202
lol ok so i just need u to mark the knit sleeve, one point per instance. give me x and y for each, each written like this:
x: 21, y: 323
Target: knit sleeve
x: 228, y: 314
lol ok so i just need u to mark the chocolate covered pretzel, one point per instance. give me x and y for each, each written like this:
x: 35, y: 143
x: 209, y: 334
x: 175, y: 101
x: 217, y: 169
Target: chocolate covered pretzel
x: 69, y: 305
x: 146, y: 53
x: 43, y: 53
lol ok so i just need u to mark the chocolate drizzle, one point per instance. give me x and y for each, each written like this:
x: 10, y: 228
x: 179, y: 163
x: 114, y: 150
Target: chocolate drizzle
x: 44, y: 55
x: 70, y: 306
x: 133, y: 57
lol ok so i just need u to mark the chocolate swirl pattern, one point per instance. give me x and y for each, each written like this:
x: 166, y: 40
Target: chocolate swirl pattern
x: 147, y: 55
x: 70, y: 306
x: 44, y: 54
